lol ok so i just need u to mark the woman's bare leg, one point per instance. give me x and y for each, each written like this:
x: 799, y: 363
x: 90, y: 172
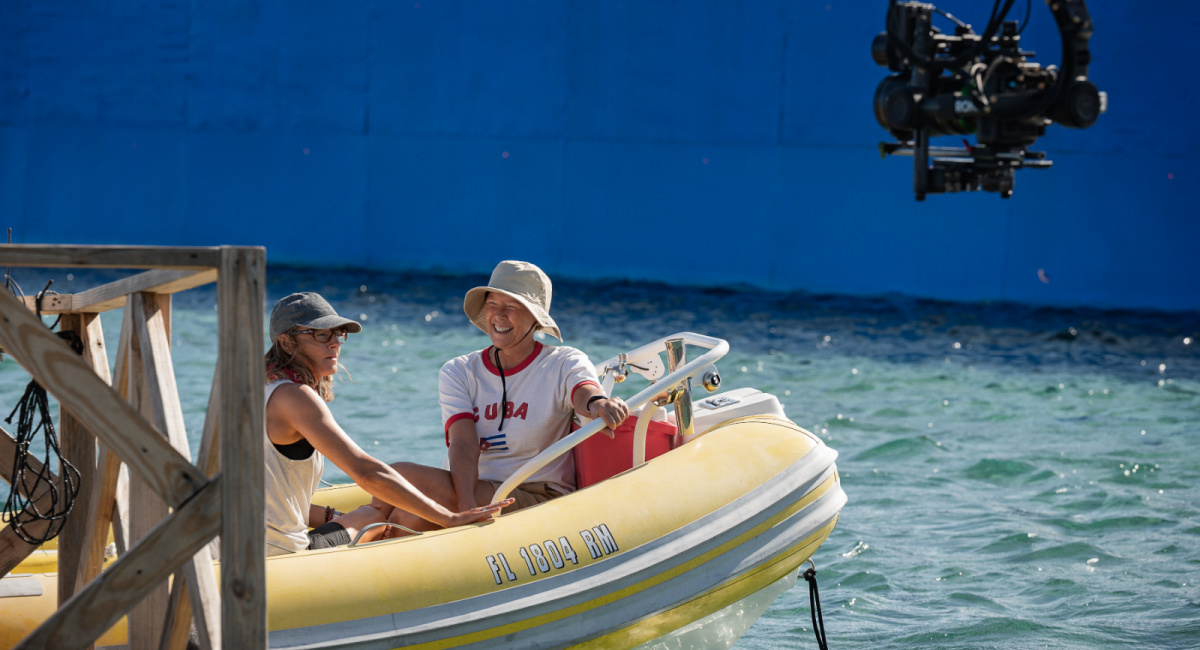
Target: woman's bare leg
x: 438, y: 485
x: 362, y: 517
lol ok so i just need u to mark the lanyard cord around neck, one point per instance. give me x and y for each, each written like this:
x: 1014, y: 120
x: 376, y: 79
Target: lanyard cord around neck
x: 503, y: 389
x: 503, y: 383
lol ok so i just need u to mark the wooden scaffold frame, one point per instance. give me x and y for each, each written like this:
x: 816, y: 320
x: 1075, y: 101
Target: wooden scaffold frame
x: 171, y: 508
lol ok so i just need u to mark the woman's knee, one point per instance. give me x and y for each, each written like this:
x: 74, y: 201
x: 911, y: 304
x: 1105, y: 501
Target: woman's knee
x: 406, y: 468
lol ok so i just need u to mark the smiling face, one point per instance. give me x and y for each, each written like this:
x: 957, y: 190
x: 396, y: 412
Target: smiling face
x: 508, y: 322
x: 321, y: 358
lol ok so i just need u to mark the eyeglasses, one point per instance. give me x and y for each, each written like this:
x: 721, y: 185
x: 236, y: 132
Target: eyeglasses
x: 324, y: 336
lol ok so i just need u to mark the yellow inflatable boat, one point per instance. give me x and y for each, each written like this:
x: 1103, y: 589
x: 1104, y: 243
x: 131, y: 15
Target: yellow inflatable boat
x: 737, y: 498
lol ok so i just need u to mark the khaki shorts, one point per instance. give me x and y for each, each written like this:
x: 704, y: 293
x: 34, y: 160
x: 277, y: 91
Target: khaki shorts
x: 528, y: 494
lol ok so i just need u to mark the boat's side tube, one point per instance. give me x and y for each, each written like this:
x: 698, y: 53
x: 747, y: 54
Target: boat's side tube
x: 717, y: 349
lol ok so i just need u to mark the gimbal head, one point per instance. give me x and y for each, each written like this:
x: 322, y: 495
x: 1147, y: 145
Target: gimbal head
x: 983, y: 84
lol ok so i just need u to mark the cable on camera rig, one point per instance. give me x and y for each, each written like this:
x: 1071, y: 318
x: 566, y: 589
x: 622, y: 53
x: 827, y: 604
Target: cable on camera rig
x: 983, y: 84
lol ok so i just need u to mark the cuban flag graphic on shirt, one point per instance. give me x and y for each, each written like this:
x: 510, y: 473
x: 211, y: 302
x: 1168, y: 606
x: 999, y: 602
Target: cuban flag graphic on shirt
x: 498, y: 442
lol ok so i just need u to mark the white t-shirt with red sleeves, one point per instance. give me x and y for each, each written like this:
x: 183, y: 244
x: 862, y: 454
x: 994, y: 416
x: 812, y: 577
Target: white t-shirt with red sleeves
x: 537, y: 415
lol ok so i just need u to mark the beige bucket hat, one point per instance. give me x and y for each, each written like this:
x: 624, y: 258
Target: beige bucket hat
x: 523, y: 281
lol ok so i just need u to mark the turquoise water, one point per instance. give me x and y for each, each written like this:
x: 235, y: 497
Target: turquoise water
x: 1017, y: 477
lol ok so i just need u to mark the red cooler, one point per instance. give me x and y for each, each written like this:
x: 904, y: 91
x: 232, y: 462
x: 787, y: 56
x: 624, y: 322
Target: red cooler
x: 601, y: 457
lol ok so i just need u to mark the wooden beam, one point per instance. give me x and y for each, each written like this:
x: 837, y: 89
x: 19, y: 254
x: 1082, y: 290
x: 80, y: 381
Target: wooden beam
x: 106, y: 599
x: 79, y: 448
x: 102, y: 500
x: 107, y: 297
x: 13, y: 549
x: 176, y: 628
x: 116, y: 257
x: 8, y: 453
x: 121, y: 384
x: 54, y: 303
x: 240, y: 296
x: 150, y: 321
x: 146, y: 507
x: 88, y: 398
x: 208, y: 459
x: 152, y: 317
x: 99, y: 515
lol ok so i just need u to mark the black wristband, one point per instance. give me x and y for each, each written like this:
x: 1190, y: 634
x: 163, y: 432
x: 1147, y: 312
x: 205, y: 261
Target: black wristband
x: 593, y: 398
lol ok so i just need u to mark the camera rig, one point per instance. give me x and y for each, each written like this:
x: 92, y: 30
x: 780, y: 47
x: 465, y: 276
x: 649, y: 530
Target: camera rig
x: 983, y: 84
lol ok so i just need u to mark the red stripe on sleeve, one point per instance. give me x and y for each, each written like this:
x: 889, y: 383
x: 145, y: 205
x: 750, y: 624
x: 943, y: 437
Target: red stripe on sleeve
x: 581, y: 384
x: 452, y: 420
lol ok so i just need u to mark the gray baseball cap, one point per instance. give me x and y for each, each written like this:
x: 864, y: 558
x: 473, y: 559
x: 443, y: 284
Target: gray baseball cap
x: 307, y: 309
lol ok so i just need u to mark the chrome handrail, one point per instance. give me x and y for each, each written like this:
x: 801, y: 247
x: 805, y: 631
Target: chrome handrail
x: 673, y: 382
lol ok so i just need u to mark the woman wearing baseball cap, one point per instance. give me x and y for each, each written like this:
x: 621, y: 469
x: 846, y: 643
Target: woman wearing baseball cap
x: 503, y: 405
x: 306, y: 338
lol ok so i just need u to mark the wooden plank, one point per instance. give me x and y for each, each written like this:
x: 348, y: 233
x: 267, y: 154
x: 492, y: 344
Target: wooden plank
x: 86, y: 396
x: 164, y: 311
x: 118, y: 257
x: 121, y: 534
x: 179, y: 616
x: 8, y: 453
x: 99, y: 515
x: 208, y: 459
x: 88, y: 544
x: 201, y: 581
x: 150, y: 321
x: 240, y: 296
x: 107, y: 297
x: 121, y: 382
x: 94, y: 351
x: 204, y: 598
x: 103, y: 494
x: 79, y: 448
x: 106, y: 599
x: 54, y: 303
x: 152, y: 317
x: 13, y: 549
x: 146, y: 507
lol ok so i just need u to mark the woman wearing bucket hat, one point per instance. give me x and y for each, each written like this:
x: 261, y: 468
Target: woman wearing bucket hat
x: 306, y: 338
x: 503, y: 405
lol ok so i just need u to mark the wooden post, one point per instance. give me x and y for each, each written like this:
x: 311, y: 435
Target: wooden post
x: 240, y: 297
x: 79, y: 448
x: 152, y: 318
x: 203, y: 590
x: 122, y: 383
x: 176, y: 628
x: 146, y: 507
x: 230, y: 503
x: 102, y: 500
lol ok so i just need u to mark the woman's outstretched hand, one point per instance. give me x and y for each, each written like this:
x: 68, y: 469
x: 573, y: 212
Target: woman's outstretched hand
x: 482, y: 513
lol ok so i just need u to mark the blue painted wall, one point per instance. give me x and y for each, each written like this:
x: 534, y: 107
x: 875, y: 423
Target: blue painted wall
x: 692, y: 142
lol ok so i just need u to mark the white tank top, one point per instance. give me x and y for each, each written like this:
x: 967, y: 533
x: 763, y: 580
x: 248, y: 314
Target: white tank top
x: 288, y: 489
